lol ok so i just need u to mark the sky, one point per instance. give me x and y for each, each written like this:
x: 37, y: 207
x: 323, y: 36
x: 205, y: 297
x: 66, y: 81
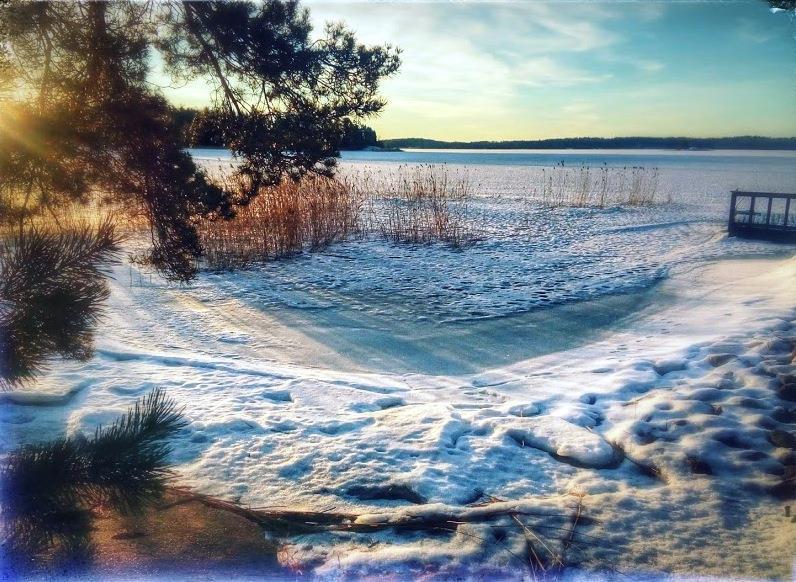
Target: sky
x: 535, y: 69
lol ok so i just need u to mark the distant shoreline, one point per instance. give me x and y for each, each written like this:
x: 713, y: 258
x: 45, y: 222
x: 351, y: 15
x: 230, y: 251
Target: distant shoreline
x: 618, y: 143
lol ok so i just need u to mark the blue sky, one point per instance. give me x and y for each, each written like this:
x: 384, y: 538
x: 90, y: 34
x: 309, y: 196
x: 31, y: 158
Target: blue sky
x: 527, y: 69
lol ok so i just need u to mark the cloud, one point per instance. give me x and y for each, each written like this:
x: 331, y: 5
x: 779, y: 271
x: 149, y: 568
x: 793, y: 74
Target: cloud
x: 506, y: 69
x: 648, y: 66
x: 581, y: 112
x: 546, y: 72
x: 751, y: 31
x: 545, y: 28
x: 650, y: 11
x: 474, y: 66
x: 484, y: 55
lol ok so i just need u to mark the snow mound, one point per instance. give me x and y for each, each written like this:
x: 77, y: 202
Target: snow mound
x: 564, y: 440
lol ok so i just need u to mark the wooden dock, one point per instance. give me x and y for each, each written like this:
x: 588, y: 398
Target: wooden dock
x: 763, y: 215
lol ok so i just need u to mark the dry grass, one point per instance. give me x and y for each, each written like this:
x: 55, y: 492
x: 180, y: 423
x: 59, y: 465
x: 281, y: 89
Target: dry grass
x: 425, y: 204
x: 416, y: 205
x: 601, y: 186
x: 282, y: 221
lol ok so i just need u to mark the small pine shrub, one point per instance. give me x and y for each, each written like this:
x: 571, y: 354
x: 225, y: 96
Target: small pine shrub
x: 48, y: 491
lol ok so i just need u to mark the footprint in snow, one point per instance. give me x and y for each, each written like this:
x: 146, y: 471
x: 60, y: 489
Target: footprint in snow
x: 234, y: 338
x: 277, y: 395
x: 295, y: 469
x: 336, y: 428
x: 379, y: 404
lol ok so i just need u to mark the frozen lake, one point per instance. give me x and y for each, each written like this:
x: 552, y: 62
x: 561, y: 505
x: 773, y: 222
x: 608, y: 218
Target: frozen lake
x: 716, y: 171
x: 549, y: 157
x: 527, y: 286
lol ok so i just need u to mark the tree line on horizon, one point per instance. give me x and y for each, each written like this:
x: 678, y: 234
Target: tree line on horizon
x: 672, y: 143
x: 197, y: 129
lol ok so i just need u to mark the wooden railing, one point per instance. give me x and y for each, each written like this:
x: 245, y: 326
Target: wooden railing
x: 763, y: 215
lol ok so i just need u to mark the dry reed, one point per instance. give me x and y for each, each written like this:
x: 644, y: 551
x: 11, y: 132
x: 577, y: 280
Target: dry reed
x: 282, y: 221
x: 408, y: 205
x: 587, y: 186
x: 425, y: 204
x: 415, y: 205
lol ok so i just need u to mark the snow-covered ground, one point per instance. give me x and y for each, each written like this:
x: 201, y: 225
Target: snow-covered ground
x: 634, y: 357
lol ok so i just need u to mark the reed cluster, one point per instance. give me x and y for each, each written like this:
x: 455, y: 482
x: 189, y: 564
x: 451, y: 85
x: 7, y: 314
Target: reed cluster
x: 282, y: 221
x: 588, y: 186
x: 425, y: 204
x: 413, y: 205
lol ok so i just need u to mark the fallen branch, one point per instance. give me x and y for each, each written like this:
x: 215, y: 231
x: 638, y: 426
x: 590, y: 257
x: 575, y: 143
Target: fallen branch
x: 429, y: 516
